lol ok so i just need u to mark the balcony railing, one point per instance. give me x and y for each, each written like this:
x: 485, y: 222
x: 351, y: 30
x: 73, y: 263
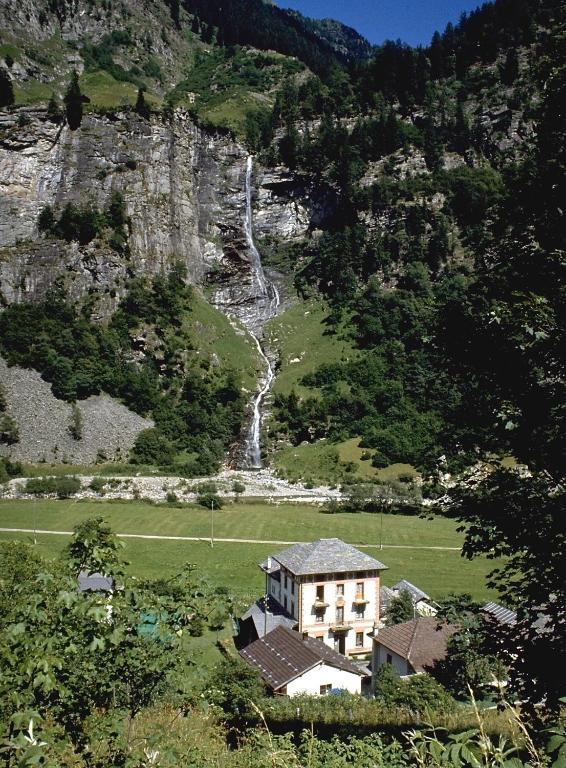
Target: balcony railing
x: 339, y: 625
x: 319, y: 604
x: 360, y: 599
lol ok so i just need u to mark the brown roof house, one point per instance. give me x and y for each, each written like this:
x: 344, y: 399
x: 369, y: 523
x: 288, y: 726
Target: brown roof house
x: 412, y: 647
x: 291, y: 663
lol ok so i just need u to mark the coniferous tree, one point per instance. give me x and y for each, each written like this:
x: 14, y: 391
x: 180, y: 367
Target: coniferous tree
x: 54, y: 113
x: 142, y: 107
x: 74, y: 103
x: 6, y: 89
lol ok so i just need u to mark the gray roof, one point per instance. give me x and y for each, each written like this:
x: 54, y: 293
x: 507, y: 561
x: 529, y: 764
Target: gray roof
x: 501, y: 614
x: 416, y: 593
x: 284, y: 654
x: 276, y: 616
x: 95, y: 582
x: 386, y: 595
x: 326, y: 556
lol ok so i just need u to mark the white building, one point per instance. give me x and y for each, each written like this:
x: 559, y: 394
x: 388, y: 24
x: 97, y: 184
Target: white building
x: 292, y: 664
x: 331, y: 590
x: 412, y: 647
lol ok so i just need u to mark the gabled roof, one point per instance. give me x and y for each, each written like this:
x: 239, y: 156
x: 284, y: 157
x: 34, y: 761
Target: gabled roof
x: 95, y: 582
x: 276, y: 616
x: 422, y: 642
x: 386, y: 595
x: 416, y: 593
x: 326, y: 556
x: 283, y: 654
x: 500, y: 614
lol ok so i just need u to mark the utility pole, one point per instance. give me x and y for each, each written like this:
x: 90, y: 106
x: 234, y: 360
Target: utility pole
x: 212, y: 523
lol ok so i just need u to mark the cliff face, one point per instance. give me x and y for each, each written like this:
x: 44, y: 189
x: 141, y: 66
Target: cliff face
x: 183, y: 192
x: 184, y: 200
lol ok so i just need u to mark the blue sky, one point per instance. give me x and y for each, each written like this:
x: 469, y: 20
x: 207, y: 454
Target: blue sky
x: 413, y: 21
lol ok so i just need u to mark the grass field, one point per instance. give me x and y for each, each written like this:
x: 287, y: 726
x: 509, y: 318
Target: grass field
x: 234, y: 565
x: 333, y: 463
x: 218, y: 339
x: 300, y: 337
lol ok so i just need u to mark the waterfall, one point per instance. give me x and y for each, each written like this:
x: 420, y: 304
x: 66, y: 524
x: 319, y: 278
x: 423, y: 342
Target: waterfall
x: 268, y: 300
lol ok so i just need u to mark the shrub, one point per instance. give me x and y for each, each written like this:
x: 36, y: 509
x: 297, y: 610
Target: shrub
x: 171, y: 497
x: 208, y: 499
x: 9, y: 432
x: 67, y: 486
x: 9, y: 469
x: 63, y: 487
x: 152, y: 447
x: 76, y: 425
x: 97, y: 484
x: 238, y: 487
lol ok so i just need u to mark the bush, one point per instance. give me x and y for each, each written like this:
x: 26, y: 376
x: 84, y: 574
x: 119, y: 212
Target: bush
x: 208, y: 499
x: 9, y: 432
x: 419, y: 693
x: 97, y: 484
x: 76, y: 425
x: 238, y: 487
x: 9, y: 469
x: 171, y: 497
x: 63, y: 487
x: 152, y: 447
x: 67, y: 486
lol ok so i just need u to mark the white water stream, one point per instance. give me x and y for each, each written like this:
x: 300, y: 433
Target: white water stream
x: 268, y: 300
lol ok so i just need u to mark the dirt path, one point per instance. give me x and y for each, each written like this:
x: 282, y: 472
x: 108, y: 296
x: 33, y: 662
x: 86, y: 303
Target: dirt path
x: 157, y: 537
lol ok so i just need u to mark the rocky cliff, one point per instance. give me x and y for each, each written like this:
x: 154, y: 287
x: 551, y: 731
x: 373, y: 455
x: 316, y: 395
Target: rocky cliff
x: 183, y: 191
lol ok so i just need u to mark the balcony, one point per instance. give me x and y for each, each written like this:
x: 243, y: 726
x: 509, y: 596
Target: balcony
x: 340, y: 601
x: 360, y: 599
x: 341, y: 626
x: 319, y: 604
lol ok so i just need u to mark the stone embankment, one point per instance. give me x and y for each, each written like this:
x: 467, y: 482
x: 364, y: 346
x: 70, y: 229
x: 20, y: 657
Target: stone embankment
x: 258, y: 484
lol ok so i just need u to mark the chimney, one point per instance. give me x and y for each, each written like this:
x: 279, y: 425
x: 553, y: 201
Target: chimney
x: 269, y: 562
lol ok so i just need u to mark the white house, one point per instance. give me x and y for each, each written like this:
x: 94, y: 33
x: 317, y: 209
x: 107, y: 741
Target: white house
x: 412, y: 647
x: 331, y: 590
x: 291, y: 664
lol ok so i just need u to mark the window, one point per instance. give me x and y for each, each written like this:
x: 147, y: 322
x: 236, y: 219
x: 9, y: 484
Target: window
x: 320, y: 637
x: 320, y: 593
x: 292, y: 608
x: 389, y: 658
x: 360, y: 589
x: 325, y: 689
x: 340, y: 589
x: 359, y: 639
x: 339, y: 615
x: 320, y: 616
x: 360, y: 611
x: 284, y: 581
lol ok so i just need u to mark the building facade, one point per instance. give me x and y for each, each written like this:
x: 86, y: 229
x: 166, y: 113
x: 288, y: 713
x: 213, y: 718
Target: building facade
x: 331, y: 589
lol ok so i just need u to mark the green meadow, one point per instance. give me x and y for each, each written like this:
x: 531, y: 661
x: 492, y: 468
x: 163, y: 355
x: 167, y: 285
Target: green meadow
x: 234, y: 564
